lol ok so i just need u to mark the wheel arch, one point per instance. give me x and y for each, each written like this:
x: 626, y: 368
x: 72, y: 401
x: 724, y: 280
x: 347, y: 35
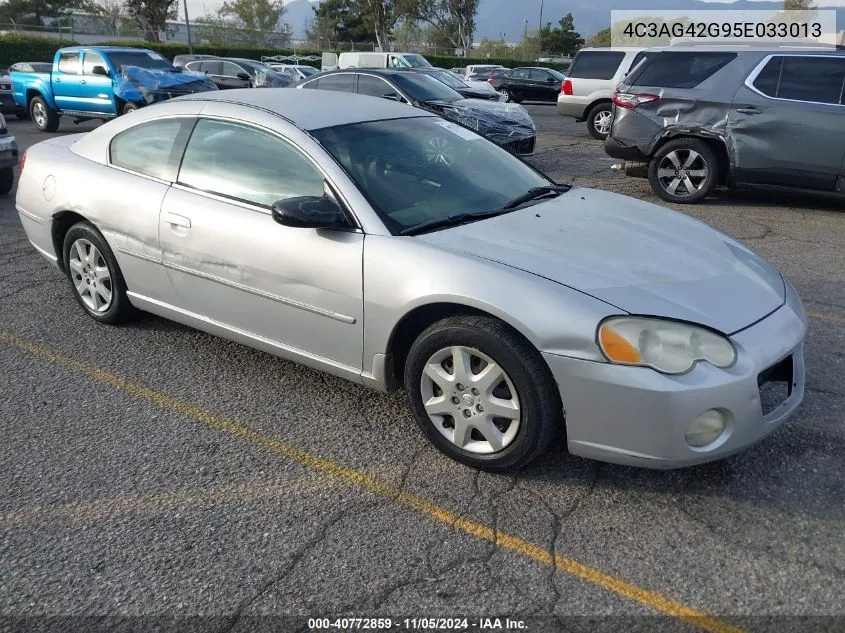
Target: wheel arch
x: 61, y: 224
x: 593, y: 104
x: 717, y: 143
x: 415, y: 321
x: 31, y: 93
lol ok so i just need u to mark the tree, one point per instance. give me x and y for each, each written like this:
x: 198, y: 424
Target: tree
x: 257, y: 15
x: 602, y: 38
x: 31, y: 11
x: 112, y: 13
x: 454, y: 18
x: 562, y: 39
x: 338, y: 20
x: 152, y: 15
x: 381, y: 16
x: 799, y: 5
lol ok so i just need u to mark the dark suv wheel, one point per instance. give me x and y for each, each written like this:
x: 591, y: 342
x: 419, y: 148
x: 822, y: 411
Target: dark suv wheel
x: 684, y: 170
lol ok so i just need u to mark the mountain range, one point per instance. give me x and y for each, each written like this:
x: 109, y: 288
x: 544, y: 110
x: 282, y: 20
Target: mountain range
x: 498, y: 18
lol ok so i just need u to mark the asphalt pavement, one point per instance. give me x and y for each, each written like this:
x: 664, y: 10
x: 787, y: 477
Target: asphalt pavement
x: 153, y: 470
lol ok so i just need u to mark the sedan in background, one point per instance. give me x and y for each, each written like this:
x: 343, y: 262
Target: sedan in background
x: 529, y: 84
x: 295, y: 72
x: 505, y: 124
x: 232, y: 72
x: 337, y: 237
x: 481, y: 90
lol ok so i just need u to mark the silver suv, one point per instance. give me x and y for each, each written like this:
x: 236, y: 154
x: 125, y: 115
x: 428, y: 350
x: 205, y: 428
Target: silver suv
x: 590, y: 81
x: 693, y: 118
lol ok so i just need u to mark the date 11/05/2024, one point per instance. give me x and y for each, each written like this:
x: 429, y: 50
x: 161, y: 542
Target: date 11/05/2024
x: 483, y: 625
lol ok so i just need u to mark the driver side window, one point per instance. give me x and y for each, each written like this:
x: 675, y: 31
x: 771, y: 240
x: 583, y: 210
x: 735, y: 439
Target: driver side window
x: 246, y: 164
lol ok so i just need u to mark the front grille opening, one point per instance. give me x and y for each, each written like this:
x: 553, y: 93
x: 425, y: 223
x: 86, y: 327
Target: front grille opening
x: 775, y: 385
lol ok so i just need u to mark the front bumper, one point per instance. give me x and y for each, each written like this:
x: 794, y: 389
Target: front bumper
x: 8, y: 152
x: 639, y: 417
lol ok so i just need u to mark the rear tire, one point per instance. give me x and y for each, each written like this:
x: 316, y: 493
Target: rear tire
x: 7, y: 180
x: 598, y: 121
x: 684, y: 170
x: 129, y: 107
x: 94, y: 276
x: 506, y: 94
x: 456, y: 404
x: 43, y: 116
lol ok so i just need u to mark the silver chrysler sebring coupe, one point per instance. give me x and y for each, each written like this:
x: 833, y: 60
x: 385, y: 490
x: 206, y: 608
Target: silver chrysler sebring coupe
x: 386, y: 245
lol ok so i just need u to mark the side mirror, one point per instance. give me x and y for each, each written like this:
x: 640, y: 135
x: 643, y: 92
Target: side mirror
x: 100, y: 70
x: 310, y: 212
x: 243, y: 76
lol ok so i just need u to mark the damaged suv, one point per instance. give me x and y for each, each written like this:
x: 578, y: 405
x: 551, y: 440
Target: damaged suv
x: 694, y: 118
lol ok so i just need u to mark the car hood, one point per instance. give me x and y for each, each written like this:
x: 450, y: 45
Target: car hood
x: 639, y: 257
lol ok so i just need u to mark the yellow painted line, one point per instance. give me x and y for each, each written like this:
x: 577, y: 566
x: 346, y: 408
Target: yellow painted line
x: 647, y: 597
x: 835, y: 318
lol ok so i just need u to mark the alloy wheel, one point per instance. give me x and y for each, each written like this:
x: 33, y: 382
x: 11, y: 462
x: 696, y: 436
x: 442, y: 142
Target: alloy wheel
x: 602, y: 122
x: 682, y: 172
x: 470, y: 399
x: 91, y: 276
x: 39, y: 114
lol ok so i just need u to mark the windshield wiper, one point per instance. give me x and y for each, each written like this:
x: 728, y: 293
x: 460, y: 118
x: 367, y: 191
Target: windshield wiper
x: 534, y: 193
x: 452, y: 220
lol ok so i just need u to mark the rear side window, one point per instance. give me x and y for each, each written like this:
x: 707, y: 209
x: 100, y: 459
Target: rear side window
x: 805, y: 78
x: 374, y: 86
x: 680, y: 70
x: 69, y: 62
x: 344, y: 82
x: 151, y: 148
x: 596, y: 65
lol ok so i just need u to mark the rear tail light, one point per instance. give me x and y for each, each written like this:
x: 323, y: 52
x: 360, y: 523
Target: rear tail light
x: 566, y: 87
x: 630, y: 100
x: 21, y: 163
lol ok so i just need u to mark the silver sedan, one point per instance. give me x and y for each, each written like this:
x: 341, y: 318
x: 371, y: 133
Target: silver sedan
x: 391, y: 247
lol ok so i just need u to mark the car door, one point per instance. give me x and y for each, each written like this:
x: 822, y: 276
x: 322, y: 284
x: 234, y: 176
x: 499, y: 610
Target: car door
x: 96, y: 89
x: 545, y: 87
x: 234, y: 76
x: 519, y: 83
x: 233, y: 264
x: 787, y: 122
x: 212, y: 68
x: 143, y: 161
x: 67, y: 89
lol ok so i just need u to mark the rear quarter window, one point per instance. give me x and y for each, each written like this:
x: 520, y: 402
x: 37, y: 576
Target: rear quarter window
x: 679, y: 69
x: 150, y: 148
x: 595, y: 65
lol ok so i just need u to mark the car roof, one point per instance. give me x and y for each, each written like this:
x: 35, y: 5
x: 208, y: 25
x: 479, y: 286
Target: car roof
x: 312, y: 109
x: 734, y: 48
x: 109, y: 49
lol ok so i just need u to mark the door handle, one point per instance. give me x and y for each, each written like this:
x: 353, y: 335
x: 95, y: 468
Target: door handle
x: 748, y: 110
x: 177, y: 220
x: 56, y: 80
x: 82, y: 81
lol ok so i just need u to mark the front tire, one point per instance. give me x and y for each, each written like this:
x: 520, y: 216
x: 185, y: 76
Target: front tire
x: 129, y: 107
x: 598, y: 121
x: 7, y: 180
x: 482, y: 394
x: 683, y: 171
x: 95, y: 278
x: 43, y: 116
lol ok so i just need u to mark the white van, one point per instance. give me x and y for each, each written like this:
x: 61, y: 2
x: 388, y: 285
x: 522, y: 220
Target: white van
x: 331, y: 61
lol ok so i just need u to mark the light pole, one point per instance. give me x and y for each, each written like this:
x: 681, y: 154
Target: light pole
x: 188, y: 28
x: 540, y: 34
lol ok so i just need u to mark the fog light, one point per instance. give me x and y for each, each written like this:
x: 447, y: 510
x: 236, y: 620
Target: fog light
x: 706, y: 428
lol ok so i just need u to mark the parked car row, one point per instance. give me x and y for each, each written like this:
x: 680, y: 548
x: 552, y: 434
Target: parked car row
x: 693, y: 118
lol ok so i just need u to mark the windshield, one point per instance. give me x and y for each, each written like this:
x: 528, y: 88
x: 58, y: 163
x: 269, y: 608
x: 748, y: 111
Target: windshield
x: 449, y: 79
x: 416, y: 61
x: 421, y: 87
x: 421, y: 169
x: 141, y: 59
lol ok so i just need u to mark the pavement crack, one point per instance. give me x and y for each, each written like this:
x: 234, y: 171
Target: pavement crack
x: 245, y: 605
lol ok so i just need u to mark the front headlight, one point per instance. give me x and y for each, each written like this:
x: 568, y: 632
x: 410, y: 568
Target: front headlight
x: 667, y: 346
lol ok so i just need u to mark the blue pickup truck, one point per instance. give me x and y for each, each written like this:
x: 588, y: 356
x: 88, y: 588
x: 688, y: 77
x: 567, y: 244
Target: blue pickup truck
x: 101, y: 83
